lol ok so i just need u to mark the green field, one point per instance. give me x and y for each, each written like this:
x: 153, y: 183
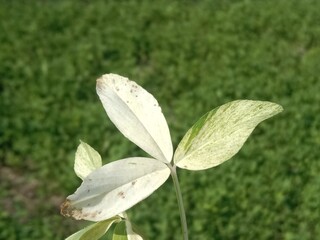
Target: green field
x: 192, y: 56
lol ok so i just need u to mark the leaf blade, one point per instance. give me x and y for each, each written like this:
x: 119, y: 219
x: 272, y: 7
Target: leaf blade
x: 137, y: 114
x: 86, y: 160
x: 220, y: 133
x: 114, y: 188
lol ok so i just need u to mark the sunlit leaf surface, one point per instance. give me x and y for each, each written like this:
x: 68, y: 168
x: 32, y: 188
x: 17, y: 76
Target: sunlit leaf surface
x: 137, y: 114
x: 115, y: 187
x: 219, y: 134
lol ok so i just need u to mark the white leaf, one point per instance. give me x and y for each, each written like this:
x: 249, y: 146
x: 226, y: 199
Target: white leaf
x: 115, y: 187
x: 220, y: 133
x: 87, y: 159
x: 137, y: 114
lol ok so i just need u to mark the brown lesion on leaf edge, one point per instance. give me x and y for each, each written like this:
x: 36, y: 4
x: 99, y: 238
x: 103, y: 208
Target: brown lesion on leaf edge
x: 69, y: 211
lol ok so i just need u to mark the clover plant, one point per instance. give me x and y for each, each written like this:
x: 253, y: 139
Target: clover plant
x: 107, y: 191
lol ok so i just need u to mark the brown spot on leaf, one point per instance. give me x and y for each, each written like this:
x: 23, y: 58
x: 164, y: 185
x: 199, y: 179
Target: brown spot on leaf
x: 133, y: 182
x: 121, y: 194
x: 68, y: 210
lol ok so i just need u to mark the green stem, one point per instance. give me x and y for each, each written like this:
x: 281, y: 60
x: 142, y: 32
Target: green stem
x: 180, y: 202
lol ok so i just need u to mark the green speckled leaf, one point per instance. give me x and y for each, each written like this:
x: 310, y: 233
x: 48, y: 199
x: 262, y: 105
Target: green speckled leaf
x: 220, y: 133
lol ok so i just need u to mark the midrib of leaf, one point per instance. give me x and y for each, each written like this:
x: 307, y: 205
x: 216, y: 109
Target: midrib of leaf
x: 153, y: 140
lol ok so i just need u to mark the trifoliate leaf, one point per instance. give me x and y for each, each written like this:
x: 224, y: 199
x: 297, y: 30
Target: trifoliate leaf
x: 115, y: 187
x: 219, y: 134
x: 137, y: 114
x: 94, y: 231
x: 87, y: 159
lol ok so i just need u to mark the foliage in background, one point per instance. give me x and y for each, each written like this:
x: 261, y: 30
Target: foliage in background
x: 191, y: 57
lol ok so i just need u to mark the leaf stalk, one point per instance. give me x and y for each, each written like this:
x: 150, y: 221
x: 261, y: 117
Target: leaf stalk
x: 180, y: 201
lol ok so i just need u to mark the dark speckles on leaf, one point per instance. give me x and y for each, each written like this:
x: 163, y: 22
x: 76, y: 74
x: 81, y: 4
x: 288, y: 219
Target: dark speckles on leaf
x: 134, y: 182
x: 88, y: 190
x: 121, y: 194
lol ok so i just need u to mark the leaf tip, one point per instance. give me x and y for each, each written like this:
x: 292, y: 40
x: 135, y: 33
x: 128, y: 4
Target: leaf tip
x: 64, y: 208
x: 99, y: 82
x: 280, y: 108
x: 67, y: 210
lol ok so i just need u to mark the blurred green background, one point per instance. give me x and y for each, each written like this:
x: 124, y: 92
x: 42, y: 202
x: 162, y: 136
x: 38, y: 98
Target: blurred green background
x: 192, y: 56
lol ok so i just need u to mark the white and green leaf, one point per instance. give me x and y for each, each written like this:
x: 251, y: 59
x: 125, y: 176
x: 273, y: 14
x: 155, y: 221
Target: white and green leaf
x: 137, y: 114
x: 125, y: 231
x: 220, y: 134
x: 120, y: 232
x: 132, y: 232
x: 94, y: 231
x: 115, y: 187
x: 87, y: 159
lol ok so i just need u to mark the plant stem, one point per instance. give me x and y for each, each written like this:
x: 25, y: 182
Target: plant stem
x: 180, y: 202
